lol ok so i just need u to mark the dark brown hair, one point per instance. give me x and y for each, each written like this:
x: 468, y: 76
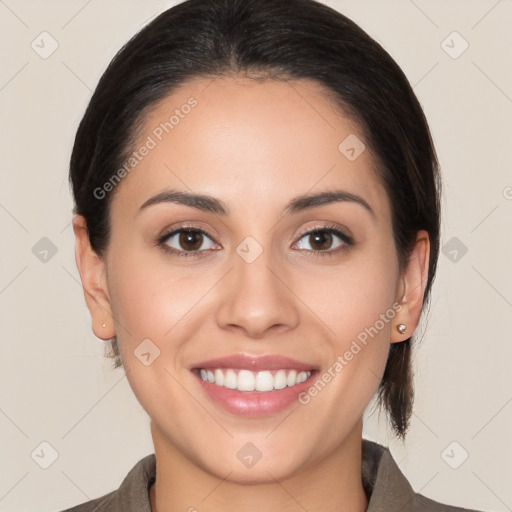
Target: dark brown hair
x: 278, y: 39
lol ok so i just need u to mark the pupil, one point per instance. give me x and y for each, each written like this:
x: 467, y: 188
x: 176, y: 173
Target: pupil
x: 321, y: 241
x: 190, y: 240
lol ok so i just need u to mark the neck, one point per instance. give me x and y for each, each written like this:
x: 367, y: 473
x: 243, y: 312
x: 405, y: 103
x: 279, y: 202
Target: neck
x: 331, y: 484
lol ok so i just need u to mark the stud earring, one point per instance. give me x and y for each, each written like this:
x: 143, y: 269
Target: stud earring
x: 401, y: 328
x: 104, y: 325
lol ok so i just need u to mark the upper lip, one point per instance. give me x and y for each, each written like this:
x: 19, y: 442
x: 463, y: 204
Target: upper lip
x: 254, y: 363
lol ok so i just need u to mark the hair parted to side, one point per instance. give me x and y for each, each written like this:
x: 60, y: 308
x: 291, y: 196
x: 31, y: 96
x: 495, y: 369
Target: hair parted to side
x: 282, y: 40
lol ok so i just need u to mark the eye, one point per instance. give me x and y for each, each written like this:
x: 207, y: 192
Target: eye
x: 325, y: 239
x: 187, y: 240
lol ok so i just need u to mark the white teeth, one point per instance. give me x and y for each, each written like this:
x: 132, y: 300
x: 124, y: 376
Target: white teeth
x: 292, y: 378
x: 280, y: 379
x: 246, y: 380
x: 219, y: 377
x: 230, y: 379
x: 264, y: 381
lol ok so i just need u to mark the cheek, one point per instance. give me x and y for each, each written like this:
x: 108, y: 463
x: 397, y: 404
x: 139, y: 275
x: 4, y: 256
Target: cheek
x: 149, y: 300
x: 360, y: 315
x: 357, y: 304
x: 152, y: 306
x: 352, y: 298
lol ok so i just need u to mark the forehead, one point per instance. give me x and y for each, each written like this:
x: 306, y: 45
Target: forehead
x: 239, y: 138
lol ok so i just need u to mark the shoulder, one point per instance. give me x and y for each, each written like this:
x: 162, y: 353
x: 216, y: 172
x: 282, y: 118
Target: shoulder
x: 132, y: 495
x: 388, y: 489
x: 423, y: 504
x: 103, y: 504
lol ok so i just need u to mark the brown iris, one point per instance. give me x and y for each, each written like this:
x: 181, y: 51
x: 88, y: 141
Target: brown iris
x: 320, y: 241
x: 191, y: 240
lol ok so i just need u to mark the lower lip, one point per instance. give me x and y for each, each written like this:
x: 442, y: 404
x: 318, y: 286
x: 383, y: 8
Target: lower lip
x: 254, y: 404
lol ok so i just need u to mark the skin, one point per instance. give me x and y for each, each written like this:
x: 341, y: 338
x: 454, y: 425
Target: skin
x: 254, y: 145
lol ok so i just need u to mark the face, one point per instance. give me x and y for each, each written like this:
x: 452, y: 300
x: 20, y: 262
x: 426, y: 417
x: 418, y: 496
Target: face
x: 249, y: 250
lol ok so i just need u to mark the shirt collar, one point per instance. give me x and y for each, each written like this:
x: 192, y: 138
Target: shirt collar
x: 385, y: 485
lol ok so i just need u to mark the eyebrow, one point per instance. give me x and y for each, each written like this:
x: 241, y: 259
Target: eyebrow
x: 199, y: 201
x: 210, y: 204
x: 313, y: 200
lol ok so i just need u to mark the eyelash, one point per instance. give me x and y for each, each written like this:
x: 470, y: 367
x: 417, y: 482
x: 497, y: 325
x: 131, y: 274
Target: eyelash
x: 174, y: 252
x: 346, y: 239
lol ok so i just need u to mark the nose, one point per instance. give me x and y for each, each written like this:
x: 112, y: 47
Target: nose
x: 257, y: 300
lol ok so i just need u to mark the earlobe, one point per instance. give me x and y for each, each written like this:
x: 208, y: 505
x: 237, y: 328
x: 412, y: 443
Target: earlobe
x: 93, y: 276
x: 412, y: 288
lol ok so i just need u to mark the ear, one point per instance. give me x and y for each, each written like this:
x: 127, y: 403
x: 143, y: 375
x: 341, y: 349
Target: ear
x: 93, y: 275
x: 411, y: 288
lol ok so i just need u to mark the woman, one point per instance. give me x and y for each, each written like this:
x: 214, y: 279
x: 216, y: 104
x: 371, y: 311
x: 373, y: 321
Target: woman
x: 257, y: 231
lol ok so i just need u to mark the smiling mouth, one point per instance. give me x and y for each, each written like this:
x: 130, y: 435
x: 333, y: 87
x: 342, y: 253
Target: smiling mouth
x: 245, y: 380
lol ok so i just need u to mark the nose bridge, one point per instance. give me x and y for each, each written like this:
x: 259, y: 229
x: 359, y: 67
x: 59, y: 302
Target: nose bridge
x: 255, y: 299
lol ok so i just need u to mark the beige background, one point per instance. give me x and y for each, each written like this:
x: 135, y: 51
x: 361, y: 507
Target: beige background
x: 55, y: 385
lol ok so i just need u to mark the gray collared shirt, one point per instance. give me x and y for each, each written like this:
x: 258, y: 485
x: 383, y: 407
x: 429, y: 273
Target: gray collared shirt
x: 386, y: 487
